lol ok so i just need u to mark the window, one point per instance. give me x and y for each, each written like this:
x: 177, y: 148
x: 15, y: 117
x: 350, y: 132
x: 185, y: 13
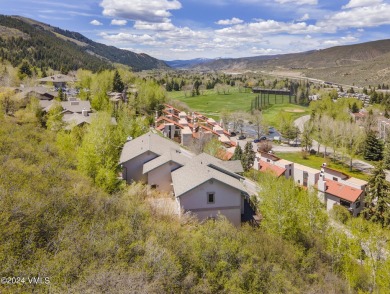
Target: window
x: 153, y: 186
x: 335, y: 179
x: 357, y: 204
x: 211, y: 198
x: 289, y: 172
x: 345, y: 203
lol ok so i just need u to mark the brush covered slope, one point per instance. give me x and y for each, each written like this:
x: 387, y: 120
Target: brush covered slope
x: 363, y: 64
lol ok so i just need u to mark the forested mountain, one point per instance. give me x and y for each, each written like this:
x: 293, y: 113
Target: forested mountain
x: 45, y: 46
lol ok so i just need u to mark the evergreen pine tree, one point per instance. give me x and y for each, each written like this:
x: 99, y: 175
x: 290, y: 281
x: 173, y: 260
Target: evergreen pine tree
x: 386, y: 155
x: 248, y: 157
x: 373, y: 147
x: 354, y: 108
x: 117, y: 85
x: 237, y: 153
x: 24, y: 70
x: 378, y: 198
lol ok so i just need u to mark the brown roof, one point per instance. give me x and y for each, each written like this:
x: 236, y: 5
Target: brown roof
x: 342, y: 191
x: 335, y: 172
x: 161, y: 118
x: 224, y: 155
x: 265, y: 166
x: 269, y: 156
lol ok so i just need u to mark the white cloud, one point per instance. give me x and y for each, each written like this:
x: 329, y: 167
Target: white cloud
x: 179, y: 49
x: 263, y: 51
x: 359, y: 17
x: 150, y: 11
x: 119, y: 22
x: 361, y: 3
x: 298, y: 2
x: 162, y: 26
x: 232, y: 21
x: 340, y: 41
x: 96, y: 23
x: 264, y: 27
x: 127, y: 37
x: 306, y: 16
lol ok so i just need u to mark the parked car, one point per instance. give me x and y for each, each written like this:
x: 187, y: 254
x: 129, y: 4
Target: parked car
x: 232, y: 134
x: 242, y: 137
x: 262, y: 138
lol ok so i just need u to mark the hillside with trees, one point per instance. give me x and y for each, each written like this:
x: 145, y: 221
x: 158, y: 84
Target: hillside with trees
x: 45, y: 47
x: 69, y: 219
x: 56, y: 223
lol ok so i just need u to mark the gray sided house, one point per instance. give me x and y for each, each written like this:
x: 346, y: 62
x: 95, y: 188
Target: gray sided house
x: 201, y: 184
x: 141, y: 151
x: 207, y: 188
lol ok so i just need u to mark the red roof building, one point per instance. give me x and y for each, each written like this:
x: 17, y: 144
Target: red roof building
x: 342, y: 191
x: 268, y: 167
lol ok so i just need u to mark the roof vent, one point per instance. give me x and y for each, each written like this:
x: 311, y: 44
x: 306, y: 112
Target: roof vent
x: 324, y: 164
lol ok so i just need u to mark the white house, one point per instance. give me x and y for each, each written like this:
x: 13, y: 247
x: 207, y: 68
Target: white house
x: 305, y: 176
x: 269, y: 162
x: 337, y: 188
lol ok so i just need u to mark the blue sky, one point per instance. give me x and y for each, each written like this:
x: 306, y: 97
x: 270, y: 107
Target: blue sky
x: 185, y: 29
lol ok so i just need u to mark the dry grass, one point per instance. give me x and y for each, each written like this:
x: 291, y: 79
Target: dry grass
x: 10, y: 32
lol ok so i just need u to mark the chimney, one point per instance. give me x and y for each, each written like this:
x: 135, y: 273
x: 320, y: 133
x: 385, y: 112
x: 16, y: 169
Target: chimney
x: 322, y: 182
x: 84, y: 112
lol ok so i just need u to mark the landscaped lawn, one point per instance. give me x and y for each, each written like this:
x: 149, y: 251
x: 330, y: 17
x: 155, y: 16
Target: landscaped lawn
x: 211, y: 104
x: 271, y: 115
x: 316, y: 162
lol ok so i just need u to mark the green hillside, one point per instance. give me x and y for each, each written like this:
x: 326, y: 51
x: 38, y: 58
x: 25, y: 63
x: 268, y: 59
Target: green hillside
x: 44, y: 46
x: 57, y: 225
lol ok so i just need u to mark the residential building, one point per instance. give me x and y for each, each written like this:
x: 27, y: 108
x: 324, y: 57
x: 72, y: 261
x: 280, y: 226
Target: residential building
x: 201, y: 184
x: 58, y: 80
x: 75, y: 112
x: 269, y: 162
x: 334, y: 187
x: 41, y: 93
x: 337, y: 188
x: 305, y: 176
x: 184, y: 128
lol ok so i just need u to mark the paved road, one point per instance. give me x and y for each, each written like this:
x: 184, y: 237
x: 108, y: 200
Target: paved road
x: 300, y: 122
x: 357, y: 164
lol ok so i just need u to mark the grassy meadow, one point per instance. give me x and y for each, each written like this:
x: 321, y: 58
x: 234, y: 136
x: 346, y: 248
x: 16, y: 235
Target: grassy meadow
x: 212, y: 104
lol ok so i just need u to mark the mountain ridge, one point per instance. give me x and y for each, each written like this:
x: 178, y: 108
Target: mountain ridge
x: 76, y: 50
x: 364, y: 63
